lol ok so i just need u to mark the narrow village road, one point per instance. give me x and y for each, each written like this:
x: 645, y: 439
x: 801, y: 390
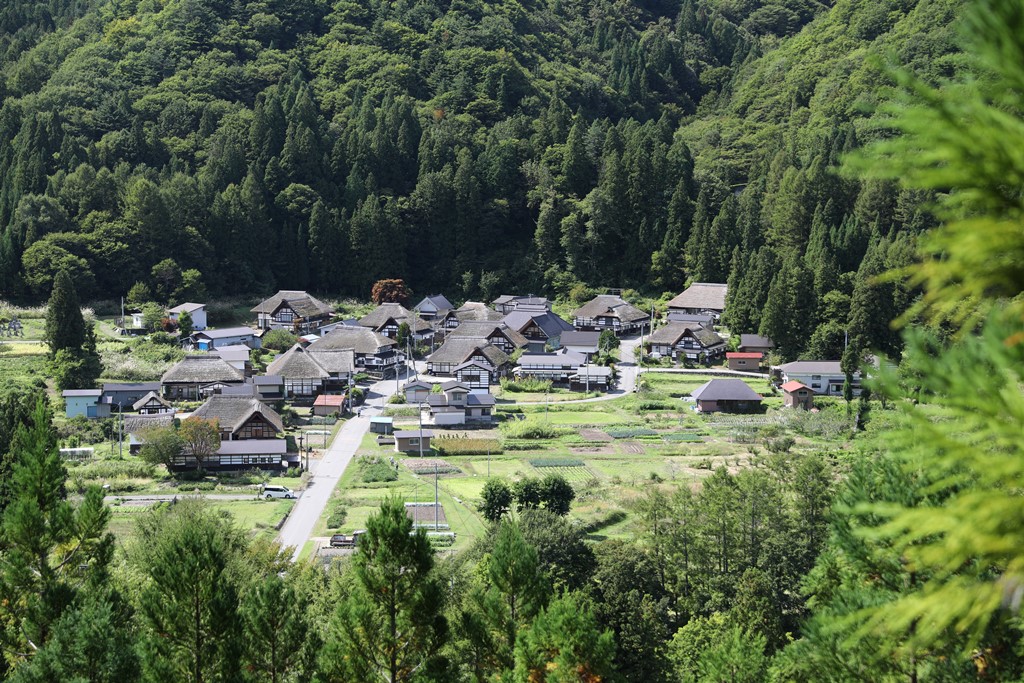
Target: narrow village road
x: 298, y: 528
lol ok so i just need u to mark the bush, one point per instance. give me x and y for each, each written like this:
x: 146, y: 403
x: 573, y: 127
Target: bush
x: 373, y: 468
x: 339, y: 511
x: 279, y: 340
x: 533, y: 429
x: 397, y: 399
x: 525, y: 384
x: 197, y: 486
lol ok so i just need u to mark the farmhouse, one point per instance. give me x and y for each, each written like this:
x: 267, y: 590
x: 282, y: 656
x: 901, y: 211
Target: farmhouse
x: 459, y: 351
x: 539, y: 325
x: 701, y: 298
x: 690, y: 342
x: 609, y: 312
x: 824, y: 377
x: 292, y: 310
x: 310, y: 372
x: 471, y: 311
x: 387, y: 318
x: 726, y: 395
x: 248, y: 432
x: 499, y: 334
x: 195, y: 377
x: 555, y: 367
x: 196, y: 311
x: 374, y: 353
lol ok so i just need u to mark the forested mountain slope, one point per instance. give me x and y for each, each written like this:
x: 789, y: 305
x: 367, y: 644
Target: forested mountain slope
x: 464, y: 146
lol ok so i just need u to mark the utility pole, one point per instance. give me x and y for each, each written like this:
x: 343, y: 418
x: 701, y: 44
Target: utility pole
x: 120, y: 431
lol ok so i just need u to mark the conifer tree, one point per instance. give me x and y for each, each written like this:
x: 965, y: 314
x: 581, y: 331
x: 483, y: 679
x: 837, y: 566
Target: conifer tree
x: 65, y: 326
x: 46, y: 541
x: 390, y: 626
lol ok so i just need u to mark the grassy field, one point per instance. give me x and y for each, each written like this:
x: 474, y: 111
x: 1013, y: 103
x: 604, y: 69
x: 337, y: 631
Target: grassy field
x: 612, y: 452
x: 22, y: 363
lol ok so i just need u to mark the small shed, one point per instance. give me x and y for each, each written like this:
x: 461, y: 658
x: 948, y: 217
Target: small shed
x: 84, y: 403
x: 413, y: 441
x: 726, y: 395
x: 382, y: 425
x: 744, y: 361
x: 329, y: 404
x: 797, y: 395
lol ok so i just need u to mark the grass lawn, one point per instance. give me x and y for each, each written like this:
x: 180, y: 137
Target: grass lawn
x: 554, y: 396
x: 588, y: 417
x: 258, y: 516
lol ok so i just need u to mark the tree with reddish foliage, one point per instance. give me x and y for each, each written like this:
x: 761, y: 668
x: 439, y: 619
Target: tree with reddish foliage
x: 390, y: 292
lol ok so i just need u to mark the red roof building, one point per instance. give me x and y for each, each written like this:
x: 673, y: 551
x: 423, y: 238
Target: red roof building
x: 797, y: 395
x: 329, y: 404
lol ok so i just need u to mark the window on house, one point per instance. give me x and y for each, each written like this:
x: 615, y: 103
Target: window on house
x: 815, y: 376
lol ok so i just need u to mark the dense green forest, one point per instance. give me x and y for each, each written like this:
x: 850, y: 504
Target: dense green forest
x: 467, y: 147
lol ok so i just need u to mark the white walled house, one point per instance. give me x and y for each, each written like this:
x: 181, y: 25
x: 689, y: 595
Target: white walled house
x: 196, y: 311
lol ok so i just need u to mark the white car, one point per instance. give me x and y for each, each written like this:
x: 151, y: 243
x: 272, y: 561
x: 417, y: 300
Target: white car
x: 269, y: 491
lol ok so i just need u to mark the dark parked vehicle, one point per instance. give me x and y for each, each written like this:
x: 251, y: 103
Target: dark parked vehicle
x: 346, y: 540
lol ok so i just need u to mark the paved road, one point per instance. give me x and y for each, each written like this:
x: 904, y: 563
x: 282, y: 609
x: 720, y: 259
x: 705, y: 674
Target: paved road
x: 150, y: 498
x: 298, y: 528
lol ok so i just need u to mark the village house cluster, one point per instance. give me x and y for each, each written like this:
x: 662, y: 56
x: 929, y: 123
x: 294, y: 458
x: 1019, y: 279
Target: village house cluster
x: 468, y: 350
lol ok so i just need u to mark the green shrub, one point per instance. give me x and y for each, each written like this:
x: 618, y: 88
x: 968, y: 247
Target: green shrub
x: 397, y: 399
x: 525, y: 384
x: 279, y: 340
x: 197, y: 486
x: 533, y: 429
x: 373, y: 468
x: 339, y: 511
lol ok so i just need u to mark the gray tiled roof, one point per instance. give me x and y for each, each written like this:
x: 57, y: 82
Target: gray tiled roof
x: 725, y: 390
x: 459, y: 350
x: 299, y: 301
x: 609, y: 305
x: 362, y: 340
x: 232, y: 411
x: 187, y: 306
x: 581, y: 338
x: 555, y: 360
x: 551, y: 324
x: 756, y: 340
x: 814, y: 367
x: 703, y: 295
x: 439, y: 301
x: 201, y: 370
